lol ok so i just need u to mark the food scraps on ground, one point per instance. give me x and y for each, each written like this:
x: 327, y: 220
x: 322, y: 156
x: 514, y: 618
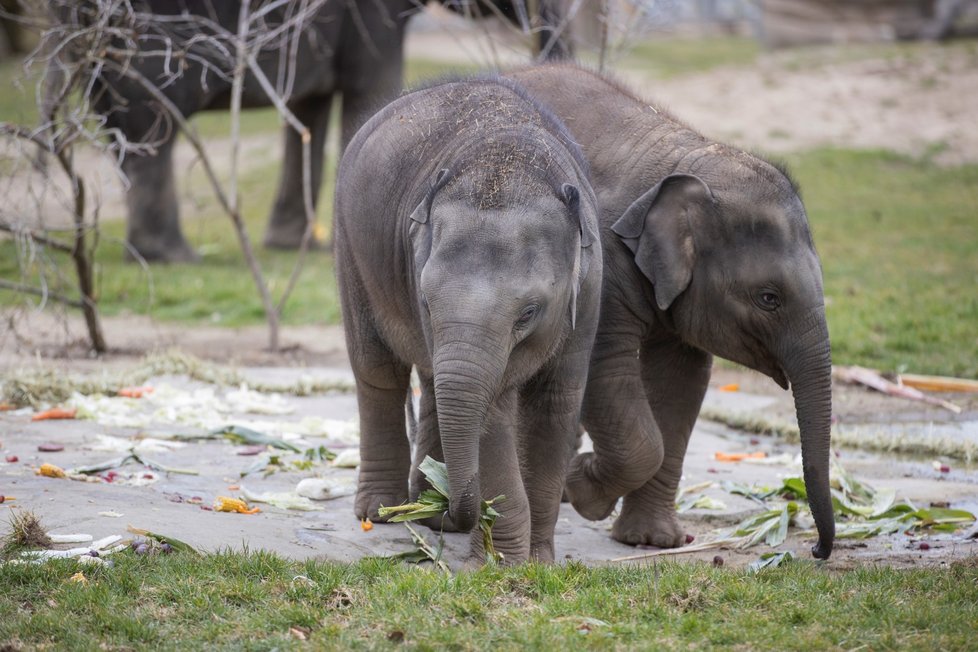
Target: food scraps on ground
x: 348, y: 458
x: 434, y: 502
x: 50, y: 448
x: 873, y: 379
x: 739, y: 457
x: 175, y: 544
x: 78, y: 577
x: 731, y: 387
x: 55, y: 413
x: 228, y: 504
x: 323, y: 489
x: 366, y: 524
x: 242, y: 435
x: 135, y: 392
x: 12, y: 459
x: 4, y: 499
x: 50, y: 471
x: 281, y: 499
x: 938, y: 383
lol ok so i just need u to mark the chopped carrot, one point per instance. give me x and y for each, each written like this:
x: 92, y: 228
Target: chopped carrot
x: 135, y: 392
x: 227, y: 504
x: 55, y: 413
x: 738, y: 457
x: 6, y: 407
x: 366, y: 525
x: 50, y: 471
x: 233, y: 487
x: 732, y: 387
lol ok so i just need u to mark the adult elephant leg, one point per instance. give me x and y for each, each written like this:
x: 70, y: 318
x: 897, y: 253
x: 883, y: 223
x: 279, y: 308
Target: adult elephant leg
x: 617, y: 417
x: 550, y: 412
x: 499, y: 472
x: 675, y: 377
x: 287, y: 223
x: 153, y: 230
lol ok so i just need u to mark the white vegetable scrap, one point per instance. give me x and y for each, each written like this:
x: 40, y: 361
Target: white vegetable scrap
x: 324, y: 489
x: 281, y: 499
x: 348, y: 458
x: 252, y: 402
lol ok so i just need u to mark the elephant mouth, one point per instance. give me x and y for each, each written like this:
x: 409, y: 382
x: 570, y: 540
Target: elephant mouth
x: 778, y: 375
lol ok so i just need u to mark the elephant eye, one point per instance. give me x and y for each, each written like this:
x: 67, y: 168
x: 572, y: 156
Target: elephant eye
x: 768, y: 300
x: 527, y: 316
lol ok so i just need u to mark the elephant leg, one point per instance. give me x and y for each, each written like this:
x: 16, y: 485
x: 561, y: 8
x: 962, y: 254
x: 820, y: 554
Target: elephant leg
x: 385, y: 455
x: 153, y: 230
x: 499, y: 475
x: 550, y: 416
x: 617, y: 417
x: 287, y: 223
x: 676, y: 377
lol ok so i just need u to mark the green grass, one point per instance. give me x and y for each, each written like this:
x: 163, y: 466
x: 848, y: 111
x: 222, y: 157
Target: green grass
x: 251, y: 601
x: 672, y: 56
x: 899, y: 245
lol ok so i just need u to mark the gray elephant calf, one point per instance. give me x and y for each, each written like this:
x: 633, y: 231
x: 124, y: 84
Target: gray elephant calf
x: 466, y: 245
x: 707, y: 251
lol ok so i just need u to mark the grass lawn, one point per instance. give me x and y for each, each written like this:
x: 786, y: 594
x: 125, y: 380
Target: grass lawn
x: 257, y: 601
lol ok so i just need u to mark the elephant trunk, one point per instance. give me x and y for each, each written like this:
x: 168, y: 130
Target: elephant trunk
x: 466, y: 379
x: 809, y: 368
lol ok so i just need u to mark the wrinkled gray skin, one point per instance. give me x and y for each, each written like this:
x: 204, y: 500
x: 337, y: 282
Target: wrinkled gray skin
x: 707, y: 250
x: 350, y: 48
x: 466, y: 245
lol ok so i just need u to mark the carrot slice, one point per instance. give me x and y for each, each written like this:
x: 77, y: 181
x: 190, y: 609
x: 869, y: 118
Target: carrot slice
x: 366, y: 525
x: 732, y: 387
x: 135, y: 392
x: 739, y: 457
x: 55, y: 413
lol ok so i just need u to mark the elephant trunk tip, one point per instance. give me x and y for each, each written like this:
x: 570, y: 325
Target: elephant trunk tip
x: 822, y: 549
x: 464, y: 513
x: 464, y: 507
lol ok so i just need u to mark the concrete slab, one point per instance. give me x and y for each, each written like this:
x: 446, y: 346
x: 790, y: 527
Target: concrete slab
x: 175, y: 504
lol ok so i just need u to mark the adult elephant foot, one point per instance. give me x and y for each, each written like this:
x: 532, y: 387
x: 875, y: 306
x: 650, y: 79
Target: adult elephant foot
x: 588, y: 495
x: 285, y: 231
x: 650, y: 525
x: 154, y: 252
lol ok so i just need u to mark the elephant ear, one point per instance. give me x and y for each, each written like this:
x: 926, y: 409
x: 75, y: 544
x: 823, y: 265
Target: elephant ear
x: 423, y: 211
x: 658, y: 230
x: 585, y: 214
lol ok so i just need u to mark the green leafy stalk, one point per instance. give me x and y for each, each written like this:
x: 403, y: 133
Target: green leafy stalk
x: 434, y: 502
x: 242, y: 435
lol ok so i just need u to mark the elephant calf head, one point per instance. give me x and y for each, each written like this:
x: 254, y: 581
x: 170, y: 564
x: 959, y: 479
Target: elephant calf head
x: 500, y: 258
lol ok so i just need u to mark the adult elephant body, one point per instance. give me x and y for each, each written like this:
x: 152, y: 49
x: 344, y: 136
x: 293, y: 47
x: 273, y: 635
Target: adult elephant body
x: 707, y: 252
x: 349, y: 47
x: 466, y: 246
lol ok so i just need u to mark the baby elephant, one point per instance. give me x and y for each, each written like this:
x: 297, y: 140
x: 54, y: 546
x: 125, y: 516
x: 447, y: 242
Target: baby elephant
x: 467, y: 246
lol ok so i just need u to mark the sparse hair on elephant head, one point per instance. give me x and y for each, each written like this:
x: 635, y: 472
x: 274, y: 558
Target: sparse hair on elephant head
x: 583, y: 213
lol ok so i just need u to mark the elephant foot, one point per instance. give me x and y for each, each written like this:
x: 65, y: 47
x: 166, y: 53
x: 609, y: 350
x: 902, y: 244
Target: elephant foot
x: 659, y: 528
x: 369, y: 500
x: 542, y: 552
x: 290, y: 239
x: 587, y: 495
x: 179, y: 252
